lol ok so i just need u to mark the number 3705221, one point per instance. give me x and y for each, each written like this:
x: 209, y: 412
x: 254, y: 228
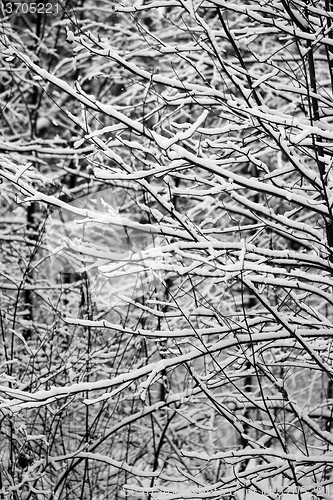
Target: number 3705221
x: 31, y: 7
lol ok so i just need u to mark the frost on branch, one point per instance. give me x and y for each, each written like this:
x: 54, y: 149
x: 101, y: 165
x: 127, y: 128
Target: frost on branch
x: 166, y: 239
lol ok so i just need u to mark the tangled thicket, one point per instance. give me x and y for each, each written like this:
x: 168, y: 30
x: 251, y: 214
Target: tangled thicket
x: 166, y: 250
